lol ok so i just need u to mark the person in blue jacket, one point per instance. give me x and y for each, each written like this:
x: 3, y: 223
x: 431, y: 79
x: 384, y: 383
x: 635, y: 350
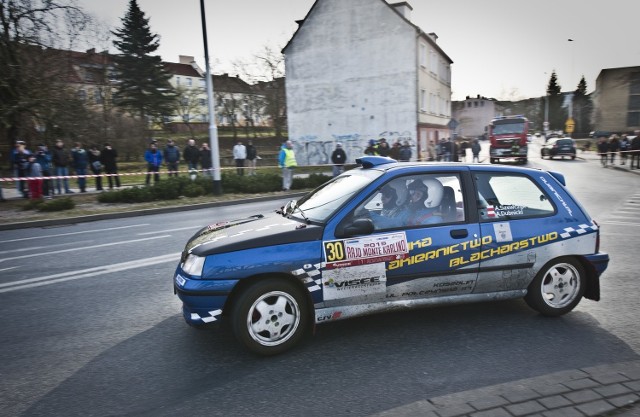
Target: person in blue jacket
x: 154, y: 159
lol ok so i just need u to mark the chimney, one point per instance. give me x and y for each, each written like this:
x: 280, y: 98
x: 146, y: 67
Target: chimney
x: 186, y: 59
x: 433, y: 36
x: 404, y: 9
x: 91, y: 51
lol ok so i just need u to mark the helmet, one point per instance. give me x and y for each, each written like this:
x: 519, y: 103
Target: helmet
x: 436, y: 190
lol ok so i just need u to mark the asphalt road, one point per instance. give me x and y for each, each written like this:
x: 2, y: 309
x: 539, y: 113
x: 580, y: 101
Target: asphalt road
x: 91, y: 327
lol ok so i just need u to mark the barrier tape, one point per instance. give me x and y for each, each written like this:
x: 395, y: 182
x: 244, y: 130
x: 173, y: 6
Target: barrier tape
x: 189, y: 171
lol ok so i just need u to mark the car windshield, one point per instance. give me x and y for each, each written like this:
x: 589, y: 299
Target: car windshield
x: 321, y: 203
x: 508, y: 128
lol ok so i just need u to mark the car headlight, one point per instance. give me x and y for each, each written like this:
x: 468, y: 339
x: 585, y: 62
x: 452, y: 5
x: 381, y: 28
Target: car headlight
x: 193, y: 264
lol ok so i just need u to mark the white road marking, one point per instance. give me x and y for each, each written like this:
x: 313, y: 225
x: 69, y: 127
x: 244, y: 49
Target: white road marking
x: 73, y: 233
x: 169, y: 230
x: 86, y: 273
x: 121, y: 242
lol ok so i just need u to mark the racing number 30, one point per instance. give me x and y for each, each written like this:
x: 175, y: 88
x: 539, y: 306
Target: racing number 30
x: 334, y: 251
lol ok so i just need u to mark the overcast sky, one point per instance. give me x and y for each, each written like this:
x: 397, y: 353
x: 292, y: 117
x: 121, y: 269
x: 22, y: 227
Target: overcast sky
x: 504, y: 49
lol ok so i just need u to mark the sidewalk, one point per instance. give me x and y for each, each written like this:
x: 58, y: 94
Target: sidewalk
x: 606, y: 390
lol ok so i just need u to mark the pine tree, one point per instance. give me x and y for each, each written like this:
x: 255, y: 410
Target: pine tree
x: 143, y: 87
x: 582, y: 107
x: 557, y: 114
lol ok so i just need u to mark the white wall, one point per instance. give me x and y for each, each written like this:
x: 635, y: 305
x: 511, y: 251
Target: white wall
x: 351, y: 77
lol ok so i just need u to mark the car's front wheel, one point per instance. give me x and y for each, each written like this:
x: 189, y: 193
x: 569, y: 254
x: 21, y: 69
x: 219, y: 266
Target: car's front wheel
x: 557, y: 288
x: 270, y: 316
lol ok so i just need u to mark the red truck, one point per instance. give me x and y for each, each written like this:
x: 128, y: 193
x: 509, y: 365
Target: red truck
x: 508, y: 136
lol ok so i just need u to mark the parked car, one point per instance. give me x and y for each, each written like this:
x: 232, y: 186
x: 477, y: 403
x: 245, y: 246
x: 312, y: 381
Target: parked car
x: 389, y: 236
x: 559, y: 147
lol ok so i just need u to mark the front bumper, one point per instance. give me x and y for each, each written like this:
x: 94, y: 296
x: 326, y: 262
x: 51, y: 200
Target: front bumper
x: 510, y: 152
x: 202, y: 300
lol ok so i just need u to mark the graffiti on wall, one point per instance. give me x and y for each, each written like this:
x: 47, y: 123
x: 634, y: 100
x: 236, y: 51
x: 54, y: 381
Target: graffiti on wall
x: 312, y: 150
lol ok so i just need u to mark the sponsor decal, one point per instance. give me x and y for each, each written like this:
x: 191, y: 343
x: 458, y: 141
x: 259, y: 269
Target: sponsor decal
x: 328, y: 317
x: 503, y: 235
x: 437, y: 288
x: 365, y: 250
x: 359, y: 280
x: 557, y: 196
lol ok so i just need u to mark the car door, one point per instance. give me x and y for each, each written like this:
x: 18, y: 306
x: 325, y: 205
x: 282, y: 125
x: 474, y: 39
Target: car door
x: 515, y: 218
x: 419, y: 254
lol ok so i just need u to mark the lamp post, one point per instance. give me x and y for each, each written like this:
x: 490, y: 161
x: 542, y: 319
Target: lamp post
x: 570, y: 124
x: 213, y: 129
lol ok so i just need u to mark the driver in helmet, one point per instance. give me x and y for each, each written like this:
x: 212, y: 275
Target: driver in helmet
x: 424, y: 201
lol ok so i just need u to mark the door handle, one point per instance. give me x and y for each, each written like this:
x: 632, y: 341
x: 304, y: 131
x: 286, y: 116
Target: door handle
x: 459, y: 233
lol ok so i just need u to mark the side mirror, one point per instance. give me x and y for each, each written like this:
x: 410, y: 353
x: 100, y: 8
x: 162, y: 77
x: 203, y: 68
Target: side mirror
x: 356, y: 228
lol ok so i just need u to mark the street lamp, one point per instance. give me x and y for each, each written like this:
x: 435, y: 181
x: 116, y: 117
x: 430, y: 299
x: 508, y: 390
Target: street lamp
x: 213, y: 129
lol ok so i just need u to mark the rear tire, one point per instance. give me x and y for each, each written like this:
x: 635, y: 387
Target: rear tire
x: 557, y: 288
x: 270, y: 316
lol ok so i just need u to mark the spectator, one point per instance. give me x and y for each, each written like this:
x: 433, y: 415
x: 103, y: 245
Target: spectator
x: 20, y: 160
x: 446, y: 149
x: 405, y: 152
x: 191, y: 156
x: 252, y: 157
x: 475, y: 150
x: 372, y: 149
x: 205, y: 159
x: 614, y: 147
x: 80, y: 159
x: 61, y: 161
x: 95, y: 166
x: 394, y: 153
x: 383, y: 148
x: 239, y: 155
x: 172, y: 158
x: 635, y: 150
x: 624, y: 149
x: 432, y: 153
x: 109, y: 159
x: 603, y: 147
x: 287, y: 161
x: 154, y: 159
x: 43, y: 157
x: 35, y: 178
x: 338, y: 158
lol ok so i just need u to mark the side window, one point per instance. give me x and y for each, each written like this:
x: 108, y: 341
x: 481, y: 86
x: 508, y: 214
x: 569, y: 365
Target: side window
x: 415, y: 200
x: 503, y: 197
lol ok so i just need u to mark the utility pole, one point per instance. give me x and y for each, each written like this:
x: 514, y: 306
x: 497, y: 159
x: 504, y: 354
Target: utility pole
x: 213, y: 129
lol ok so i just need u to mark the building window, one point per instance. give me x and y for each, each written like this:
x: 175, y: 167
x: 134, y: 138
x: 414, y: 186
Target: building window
x: 97, y: 96
x: 633, y: 119
x: 82, y: 95
x: 177, y: 80
x: 423, y: 55
x: 423, y: 100
x: 203, y: 102
x: 433, y: 61
x: 189, y: 81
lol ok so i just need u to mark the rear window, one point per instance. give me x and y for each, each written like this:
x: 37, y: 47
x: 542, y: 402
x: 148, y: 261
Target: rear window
x: 505, y: 197
x: 565, y: 142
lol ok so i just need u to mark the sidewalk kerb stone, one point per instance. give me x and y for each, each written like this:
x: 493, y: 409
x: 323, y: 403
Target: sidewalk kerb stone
x: 582, y: 396
x: 596, y: 408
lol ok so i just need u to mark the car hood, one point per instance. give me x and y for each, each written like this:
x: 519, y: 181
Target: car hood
x: 251, y: 232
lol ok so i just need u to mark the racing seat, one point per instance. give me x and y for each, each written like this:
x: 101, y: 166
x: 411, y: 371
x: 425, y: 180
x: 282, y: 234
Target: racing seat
x: 448, y: 208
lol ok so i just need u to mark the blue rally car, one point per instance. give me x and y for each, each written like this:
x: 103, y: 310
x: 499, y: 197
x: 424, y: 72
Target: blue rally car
x: 387, y: 236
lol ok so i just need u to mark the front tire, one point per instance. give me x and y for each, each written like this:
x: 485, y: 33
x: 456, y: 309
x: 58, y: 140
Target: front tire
x: 270, y: 317
x: 557, y: 288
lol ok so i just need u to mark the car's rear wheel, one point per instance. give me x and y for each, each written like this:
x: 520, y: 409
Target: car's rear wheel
x: 557, y: 288
x: 270, y: 316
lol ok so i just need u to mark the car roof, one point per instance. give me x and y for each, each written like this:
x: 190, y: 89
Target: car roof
x: 389, y: 164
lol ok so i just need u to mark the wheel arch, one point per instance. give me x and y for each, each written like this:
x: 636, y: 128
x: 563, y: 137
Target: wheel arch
x: 245, y: 283
x: 592, y: 286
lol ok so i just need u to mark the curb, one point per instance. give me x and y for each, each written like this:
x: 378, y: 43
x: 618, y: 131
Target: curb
x: 137, y: 213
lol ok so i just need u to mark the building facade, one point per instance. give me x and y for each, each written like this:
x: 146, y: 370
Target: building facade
x: 359, y: 70
x: 616, y: 100
x: 474, y: 114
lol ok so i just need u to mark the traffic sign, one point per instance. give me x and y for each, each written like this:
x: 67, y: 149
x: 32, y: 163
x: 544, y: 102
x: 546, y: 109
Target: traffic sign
x: 569, y: 125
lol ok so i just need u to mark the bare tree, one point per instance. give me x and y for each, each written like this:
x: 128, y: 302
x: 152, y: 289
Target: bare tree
x: 29, y: 75
x: 190, y: 105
